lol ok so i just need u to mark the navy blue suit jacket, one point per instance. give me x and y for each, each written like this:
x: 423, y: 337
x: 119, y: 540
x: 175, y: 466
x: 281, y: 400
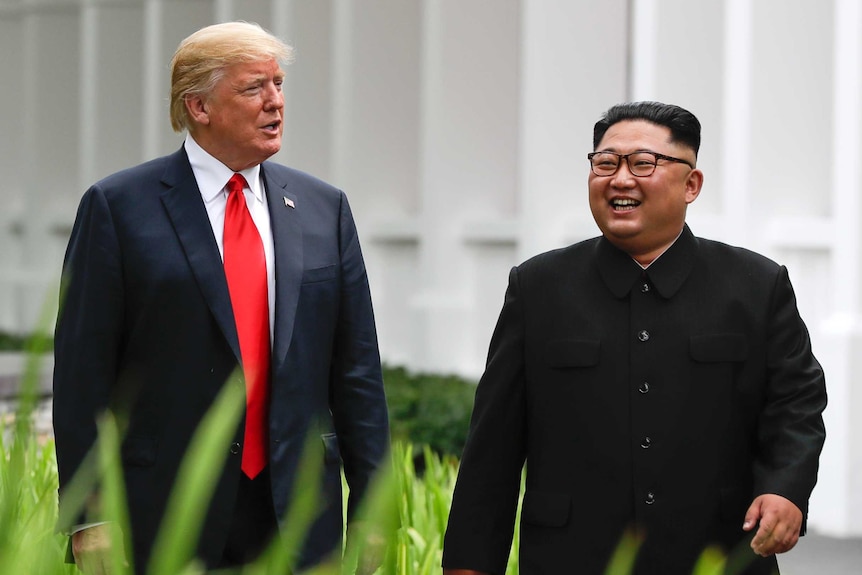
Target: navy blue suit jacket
x: 146, y: 322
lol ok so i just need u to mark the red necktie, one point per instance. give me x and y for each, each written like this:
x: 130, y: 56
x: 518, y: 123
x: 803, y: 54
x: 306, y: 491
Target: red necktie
x: 245, y: 269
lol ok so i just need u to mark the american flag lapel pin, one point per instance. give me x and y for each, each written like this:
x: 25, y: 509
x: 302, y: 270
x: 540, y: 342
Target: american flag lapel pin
x: 289, y: 203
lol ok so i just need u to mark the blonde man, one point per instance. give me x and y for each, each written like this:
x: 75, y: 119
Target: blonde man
x: 212, y: 259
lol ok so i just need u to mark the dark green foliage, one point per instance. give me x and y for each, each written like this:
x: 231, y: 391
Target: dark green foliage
x: 12, y: 342
x: 426, y: 409
x: 9, y: 342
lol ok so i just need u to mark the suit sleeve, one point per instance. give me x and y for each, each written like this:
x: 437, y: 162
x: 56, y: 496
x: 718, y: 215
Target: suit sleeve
x: 482, y: 518
x: 790, y: 431
x: 357, y: 398
x: 87, y: 335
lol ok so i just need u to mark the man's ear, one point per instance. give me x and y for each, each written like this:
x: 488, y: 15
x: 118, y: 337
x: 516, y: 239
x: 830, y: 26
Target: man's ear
x: 197, y: 108
x: 693, y: 185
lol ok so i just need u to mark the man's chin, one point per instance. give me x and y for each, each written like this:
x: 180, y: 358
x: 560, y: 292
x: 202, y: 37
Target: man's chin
x: 621, y: 233
x: 269, y: 151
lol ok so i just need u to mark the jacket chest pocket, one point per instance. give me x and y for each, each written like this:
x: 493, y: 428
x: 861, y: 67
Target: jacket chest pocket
x: 714, y: 359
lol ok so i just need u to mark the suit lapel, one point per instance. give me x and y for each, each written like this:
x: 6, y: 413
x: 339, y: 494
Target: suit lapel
x: 284, y: 210
x: 184, y: 205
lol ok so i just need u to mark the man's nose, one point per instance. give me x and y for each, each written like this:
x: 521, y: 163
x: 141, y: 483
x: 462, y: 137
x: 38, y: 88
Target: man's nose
x: 623, y: 176
x: 274, y: 97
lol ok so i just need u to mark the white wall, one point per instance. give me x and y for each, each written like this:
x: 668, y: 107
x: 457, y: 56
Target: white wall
x: 459, y: 129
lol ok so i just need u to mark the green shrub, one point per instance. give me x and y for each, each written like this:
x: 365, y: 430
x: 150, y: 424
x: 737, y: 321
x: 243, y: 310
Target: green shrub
x: 432, y: 410
x: 10, y: 342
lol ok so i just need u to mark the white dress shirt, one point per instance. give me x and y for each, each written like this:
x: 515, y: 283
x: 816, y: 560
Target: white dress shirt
x: 212, y: 177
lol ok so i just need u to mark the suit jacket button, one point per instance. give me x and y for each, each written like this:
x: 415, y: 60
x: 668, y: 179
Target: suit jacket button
x: 646, y: 442
x: 644, y: 387
x: 644, y: 287
x: 234, y: 447
x: 650, y: 498
x: 643, y: 335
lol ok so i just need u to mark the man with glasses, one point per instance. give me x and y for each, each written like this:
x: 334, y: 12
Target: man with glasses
x: 659, y: 387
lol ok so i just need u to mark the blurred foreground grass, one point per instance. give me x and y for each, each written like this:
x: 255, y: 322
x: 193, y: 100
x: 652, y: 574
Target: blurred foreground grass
x: 409, y: 508
x: 28, y: 514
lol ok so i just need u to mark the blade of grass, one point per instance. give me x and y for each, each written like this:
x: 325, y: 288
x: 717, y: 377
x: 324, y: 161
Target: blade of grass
x: 283, y: 552
x: 176, y: 541
x: 710, y: 562
x: 623, y: 560
x: 113, y: 494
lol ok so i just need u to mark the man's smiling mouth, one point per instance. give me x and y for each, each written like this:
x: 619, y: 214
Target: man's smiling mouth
x: 624, y: 204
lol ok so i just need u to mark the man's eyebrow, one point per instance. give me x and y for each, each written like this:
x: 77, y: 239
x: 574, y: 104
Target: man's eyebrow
x: 614, y: 150
x: 251, y: 81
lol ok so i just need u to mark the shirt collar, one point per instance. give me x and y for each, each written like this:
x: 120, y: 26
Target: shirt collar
x: 212, y: 175
x: 667, y: 273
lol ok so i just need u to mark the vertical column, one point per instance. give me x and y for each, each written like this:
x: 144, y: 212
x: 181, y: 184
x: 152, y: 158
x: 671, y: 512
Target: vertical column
x: 223, y: 10
x: 468, y: 164
x: 570, y: 75
x: 309, y: 93
x: 375, y: 123
x: 13, y: 100
x: 175, y: 21
x: 152, y: 69
x: 259, y: 11
x: 837, y: 502
x: 644, y: 50
x: 112, y: 88
x: 283, y: 25
x: 50, y: 149
x: 687, y: 42
x: 671, y: 41
x: 89, y: 90
x: 791, y: 102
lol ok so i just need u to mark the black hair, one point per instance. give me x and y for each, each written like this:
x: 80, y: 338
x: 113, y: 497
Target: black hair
x: 683, y: 125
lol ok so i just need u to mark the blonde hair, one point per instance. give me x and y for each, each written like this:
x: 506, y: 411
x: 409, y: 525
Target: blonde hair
x: 200, y: 60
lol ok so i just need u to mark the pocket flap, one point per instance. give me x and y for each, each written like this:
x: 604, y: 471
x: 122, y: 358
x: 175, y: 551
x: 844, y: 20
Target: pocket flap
x: 573, y: 352
x: 546, y: 509
x: 314, y: 275
x: 719, y: 347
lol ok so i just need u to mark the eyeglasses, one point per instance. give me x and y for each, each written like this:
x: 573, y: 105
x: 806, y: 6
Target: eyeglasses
x: 641, y: 164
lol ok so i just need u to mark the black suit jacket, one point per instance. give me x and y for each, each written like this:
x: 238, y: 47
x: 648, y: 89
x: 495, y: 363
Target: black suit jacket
x: 663, y: 401
x: 146, y: 322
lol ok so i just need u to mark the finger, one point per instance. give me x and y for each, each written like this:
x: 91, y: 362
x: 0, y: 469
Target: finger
x: 752, y: 515
x: 84, y: 563
x: 784, y: 537
x: 761, y: 541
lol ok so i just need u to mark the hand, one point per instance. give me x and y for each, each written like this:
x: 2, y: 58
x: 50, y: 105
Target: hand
x: 372, y: 547
x: 780, y: 521
x: 371, y: 555
x: 92, y: 548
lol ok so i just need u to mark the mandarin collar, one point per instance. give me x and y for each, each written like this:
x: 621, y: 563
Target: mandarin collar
x: 667, y: 274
